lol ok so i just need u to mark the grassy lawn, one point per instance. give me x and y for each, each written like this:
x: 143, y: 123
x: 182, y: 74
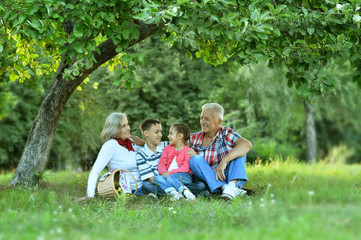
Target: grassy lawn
x: 292, y: 201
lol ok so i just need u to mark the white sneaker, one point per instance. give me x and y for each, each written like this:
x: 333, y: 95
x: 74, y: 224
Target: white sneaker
x: 189, y: 196
x: 175, y: 196
x: 152, y: 195
x: 232, y: 192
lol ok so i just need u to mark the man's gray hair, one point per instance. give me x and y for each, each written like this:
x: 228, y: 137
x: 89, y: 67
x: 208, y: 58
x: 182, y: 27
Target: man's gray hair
x: 216, y: 108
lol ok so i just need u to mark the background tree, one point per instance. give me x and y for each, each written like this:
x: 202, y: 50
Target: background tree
x: 81, y: 36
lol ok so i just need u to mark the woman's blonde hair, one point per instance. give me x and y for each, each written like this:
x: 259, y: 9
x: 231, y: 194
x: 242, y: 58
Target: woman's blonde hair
x: 112, y: 126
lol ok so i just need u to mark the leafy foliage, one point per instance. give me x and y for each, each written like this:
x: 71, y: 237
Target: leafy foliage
x: 298, y: 38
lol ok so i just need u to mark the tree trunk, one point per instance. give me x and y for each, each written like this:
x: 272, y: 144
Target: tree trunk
x: 37, y: 149
x: 311, y: 141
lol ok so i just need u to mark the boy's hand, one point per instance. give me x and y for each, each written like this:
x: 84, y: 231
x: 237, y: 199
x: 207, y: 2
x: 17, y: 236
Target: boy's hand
x: 137, y: 140
x: 151, y: 179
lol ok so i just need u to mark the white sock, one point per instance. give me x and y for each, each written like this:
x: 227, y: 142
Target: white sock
x: 232, y: 184
x: 225, y: 185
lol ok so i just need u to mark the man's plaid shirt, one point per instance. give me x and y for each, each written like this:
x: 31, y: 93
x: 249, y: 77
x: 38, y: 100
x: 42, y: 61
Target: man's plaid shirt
x: 221, y: 145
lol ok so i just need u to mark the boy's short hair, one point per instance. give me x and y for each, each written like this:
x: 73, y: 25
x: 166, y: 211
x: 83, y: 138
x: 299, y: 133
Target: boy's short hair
x: 147, y: 124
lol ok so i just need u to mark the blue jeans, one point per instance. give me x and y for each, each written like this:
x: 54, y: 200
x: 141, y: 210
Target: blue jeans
x: 195, y: 187
x: 235, y: 170
x: 139, y: 192
x: 174, y: 182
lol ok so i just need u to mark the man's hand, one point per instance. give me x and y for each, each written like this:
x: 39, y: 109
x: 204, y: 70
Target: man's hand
x: 137, y: 140
x: 165, y: 174
x: 220, y: 171
x: 191, y: 153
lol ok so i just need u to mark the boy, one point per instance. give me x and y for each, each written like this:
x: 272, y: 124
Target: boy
x: 148, y: 157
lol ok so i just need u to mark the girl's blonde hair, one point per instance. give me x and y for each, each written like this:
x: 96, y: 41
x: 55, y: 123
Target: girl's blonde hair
x: 112, y: 126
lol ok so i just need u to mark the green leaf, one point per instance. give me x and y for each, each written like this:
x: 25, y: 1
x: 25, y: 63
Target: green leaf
x: 33, y: 9
x: 277, y: 32
x: 13, y: 76
x: 60, y: 40
x: 70, y: 6
x: 63, y: 49
x: 78, y: 46
x: 181, y: 2
x: 310, y: 30
x: 286, y: 51
x: 304, y: 10
x: 78, y: 31
x: 142, y: 15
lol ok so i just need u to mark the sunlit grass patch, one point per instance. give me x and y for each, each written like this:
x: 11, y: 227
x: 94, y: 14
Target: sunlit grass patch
x: 291, y: 201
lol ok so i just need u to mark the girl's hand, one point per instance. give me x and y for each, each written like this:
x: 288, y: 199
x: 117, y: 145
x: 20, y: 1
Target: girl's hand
x: 165, y: 174
x: 191, y: 153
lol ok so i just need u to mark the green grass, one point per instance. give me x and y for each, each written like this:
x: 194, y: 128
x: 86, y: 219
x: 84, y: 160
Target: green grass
x: 292, y: 201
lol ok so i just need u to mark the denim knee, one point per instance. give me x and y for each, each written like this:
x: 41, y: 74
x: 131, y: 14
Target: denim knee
x: 194, y: 161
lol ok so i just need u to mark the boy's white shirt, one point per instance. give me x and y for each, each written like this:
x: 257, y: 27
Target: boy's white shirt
x: 160, y: 147
x: 113, y: 156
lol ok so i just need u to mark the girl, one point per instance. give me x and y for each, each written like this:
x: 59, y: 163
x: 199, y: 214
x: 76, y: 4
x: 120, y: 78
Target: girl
x: 173, y: 165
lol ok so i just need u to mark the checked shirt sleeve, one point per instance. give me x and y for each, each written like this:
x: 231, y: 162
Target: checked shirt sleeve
x: 145, y: 169
x: 231, y: 137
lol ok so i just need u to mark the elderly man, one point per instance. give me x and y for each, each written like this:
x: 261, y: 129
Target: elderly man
x: 219, y: 154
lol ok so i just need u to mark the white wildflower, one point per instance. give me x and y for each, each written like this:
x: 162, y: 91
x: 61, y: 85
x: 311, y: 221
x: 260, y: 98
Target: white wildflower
x: 262, y: 205
x: 60, y: 207
x: 55, y: 212
x: 262, y: 199
x: 273, y: 201
x: 58, y: 230
x: 171, y: 208
x: 338, y: 6
x: 311, y: 193
x: 175, y: 9
x: 174, y: 212
x: 70, y: 210
x: 272, y: 195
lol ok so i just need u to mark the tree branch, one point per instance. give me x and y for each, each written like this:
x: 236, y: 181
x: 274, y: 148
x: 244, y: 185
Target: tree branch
x: 5, y: 30
x: 108, y: 48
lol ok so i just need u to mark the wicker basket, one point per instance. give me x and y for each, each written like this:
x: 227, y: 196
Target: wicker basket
x: 106, y: 188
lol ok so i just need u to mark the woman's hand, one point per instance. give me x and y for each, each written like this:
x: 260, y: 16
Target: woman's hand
x: 138, y: 141
x: 84, y: 199
x: 191, y: 152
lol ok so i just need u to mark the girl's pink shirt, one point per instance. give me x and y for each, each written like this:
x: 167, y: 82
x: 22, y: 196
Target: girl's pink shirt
x: 167, y: 157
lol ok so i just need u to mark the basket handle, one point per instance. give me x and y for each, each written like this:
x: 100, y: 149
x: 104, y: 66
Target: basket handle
x: 136, y: 184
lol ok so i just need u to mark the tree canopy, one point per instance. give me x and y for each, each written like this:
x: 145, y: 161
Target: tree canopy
x: 296, y: 37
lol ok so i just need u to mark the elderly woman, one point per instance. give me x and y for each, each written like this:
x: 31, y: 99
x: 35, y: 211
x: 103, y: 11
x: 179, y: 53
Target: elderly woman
x: 117, y: 152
